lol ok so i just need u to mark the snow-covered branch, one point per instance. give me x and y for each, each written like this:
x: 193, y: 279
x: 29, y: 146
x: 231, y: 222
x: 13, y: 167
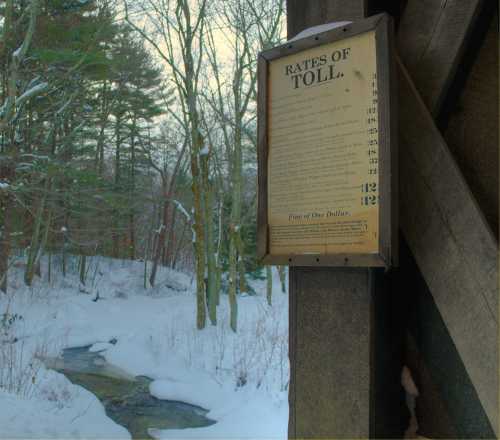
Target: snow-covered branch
x: 32, y: 92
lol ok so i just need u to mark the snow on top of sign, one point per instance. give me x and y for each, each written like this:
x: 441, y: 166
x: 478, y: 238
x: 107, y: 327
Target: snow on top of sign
x: 313, y: 30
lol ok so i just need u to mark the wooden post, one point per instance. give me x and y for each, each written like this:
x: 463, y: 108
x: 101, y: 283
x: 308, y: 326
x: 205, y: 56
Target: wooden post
x: 330, y: 317
x: 337, y: 347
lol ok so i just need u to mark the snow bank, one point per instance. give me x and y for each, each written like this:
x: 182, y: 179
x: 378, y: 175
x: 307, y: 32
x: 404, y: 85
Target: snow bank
x: 60, y: 410
x: 241, y: 379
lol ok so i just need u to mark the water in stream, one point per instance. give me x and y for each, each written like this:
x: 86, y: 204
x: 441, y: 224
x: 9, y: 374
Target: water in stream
x: 126, y: 398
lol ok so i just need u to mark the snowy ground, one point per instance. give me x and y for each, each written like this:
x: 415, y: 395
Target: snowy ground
x: 241, y: 378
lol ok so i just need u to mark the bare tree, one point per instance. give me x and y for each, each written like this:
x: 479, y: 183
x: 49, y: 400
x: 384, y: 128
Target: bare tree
x: 174, y: 29
x: 168, y: 185
x: 249, y: 26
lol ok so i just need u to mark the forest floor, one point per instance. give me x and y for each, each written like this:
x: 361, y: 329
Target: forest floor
x: 242, y: 379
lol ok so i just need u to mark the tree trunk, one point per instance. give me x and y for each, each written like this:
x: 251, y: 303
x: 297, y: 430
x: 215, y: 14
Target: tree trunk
x: 83, y: 268
x: 199, y: 164
x: 160, y: 243
x: 233, y: 274
x: 65, y: 242
x: 116, y: 215
x: 218, y: 282
x: 35, y: 239
x: 199, y: 247
x: 132, y: 236
x: 269, y: 278
x: 49, y: 268
x: 211, y: 262
x: 146, y: 252
x: 43, y: 245
x: 241, y: 265
x: 170, y: 245
x: 5, y: 212
x: 7, y: 173
x: 199, y: 214
x: 235, y: 246
x: 180, y: 243
x: 282, y: 274
x: 99, y: 155
x: 131, y: 244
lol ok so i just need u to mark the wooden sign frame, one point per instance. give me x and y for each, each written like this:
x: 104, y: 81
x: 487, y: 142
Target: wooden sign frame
x: 387, y: 256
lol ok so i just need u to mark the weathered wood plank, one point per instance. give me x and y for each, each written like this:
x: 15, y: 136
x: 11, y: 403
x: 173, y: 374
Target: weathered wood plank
x: 472, y: 131
x: 262, y: 152
x: 451, y: 241
x: 304, y: 14
x: 432, y: 38
x: 448, y: 405
x: 330, y: 355
x: 461, y: 267
x: 433, y: 41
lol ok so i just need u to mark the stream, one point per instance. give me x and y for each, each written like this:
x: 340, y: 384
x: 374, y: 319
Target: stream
x: 126, y: 398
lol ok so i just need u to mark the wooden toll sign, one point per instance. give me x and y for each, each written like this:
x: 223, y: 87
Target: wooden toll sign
x: 328, y: 150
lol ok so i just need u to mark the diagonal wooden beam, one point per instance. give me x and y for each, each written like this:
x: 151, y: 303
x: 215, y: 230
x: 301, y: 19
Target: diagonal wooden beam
x: 432, y: 38
x: 451, y: 242
x: 450, y: 49
x: 471, y: 129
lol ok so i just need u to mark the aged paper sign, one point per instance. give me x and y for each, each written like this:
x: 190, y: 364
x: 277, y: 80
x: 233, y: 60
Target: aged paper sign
x: 323, y: 185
